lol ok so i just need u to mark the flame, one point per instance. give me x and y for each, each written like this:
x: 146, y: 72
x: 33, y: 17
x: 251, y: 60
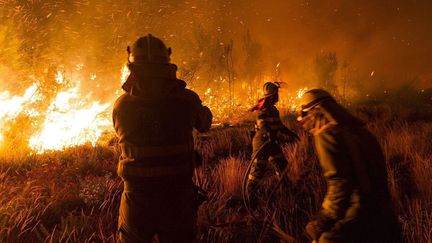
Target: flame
x: 292, y: 100
x: 12, y: 106
x: 235, y: 108
x: 124, y: 74
x: 300, y: 92
x: 70, y: 121
x: 60, y: 78
x: 65, y: 116
x: 208, y: 91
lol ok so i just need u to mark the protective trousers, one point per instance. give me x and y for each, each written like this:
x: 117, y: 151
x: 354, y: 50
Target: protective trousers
x: 166, y: 211
x: 270, y: 154
x: 372, y: 227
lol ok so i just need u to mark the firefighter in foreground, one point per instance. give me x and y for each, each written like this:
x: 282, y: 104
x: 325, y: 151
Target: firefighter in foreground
x: 357, y: 206
x: 154, y: 121
x: 270, y: 134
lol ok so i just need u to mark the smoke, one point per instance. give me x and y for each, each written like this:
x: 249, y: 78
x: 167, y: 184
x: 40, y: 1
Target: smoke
x: 62, y: 61
x: 389, y: 38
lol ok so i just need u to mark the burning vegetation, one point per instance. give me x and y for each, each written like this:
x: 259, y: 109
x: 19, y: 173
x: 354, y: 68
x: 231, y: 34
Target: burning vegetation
x: 56, y: 115
x: 60, y: 114
x: 67, y: 55
x: 62, y: 64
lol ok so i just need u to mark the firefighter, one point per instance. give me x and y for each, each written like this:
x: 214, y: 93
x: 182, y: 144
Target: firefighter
x: 270, y: 134
x: 154, y: 120
x: 356, y: 206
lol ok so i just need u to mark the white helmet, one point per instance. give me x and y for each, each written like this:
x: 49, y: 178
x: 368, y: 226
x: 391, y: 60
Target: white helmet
x: 314, y: 97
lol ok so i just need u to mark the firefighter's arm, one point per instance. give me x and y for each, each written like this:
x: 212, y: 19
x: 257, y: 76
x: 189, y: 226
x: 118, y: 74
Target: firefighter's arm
x: 334, y: 207
x: 201, y: 115
x: 336, y: 167
x: 288, y: 136
x: 284, y: 134
x: 204, y: 119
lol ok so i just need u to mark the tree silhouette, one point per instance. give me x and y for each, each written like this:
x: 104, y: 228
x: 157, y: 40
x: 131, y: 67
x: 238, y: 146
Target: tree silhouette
x: 325, y: 68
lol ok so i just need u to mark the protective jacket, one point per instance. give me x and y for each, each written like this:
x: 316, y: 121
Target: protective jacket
x: 356, y: 207
x: 154, y: 124
x: 269, y: 126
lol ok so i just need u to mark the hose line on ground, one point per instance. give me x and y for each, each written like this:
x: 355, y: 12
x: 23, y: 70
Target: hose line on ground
x: 245, y: 178
x: 276, y: 228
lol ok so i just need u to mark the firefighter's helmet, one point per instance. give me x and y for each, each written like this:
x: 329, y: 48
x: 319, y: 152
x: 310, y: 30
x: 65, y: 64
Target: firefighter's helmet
x: 314, y: 97
x: 270, y: 89
x: 149, y: 49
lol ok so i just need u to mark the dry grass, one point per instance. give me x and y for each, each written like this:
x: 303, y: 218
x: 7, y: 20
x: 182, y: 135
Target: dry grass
x: 73, y: 195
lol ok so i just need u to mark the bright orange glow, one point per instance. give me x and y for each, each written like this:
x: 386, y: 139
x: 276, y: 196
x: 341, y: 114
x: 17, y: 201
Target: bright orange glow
x: 70, y: 120
x: 70, y: 115
x: 300, y: 92
x: 12, y: 106
x: 60, y: 78
x: 124, y: 74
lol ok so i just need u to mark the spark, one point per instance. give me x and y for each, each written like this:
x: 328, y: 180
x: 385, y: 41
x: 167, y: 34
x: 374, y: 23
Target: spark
x: 79, y: 67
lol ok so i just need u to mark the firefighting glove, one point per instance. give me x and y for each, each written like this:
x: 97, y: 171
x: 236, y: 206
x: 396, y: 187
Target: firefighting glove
x: 204, y: 119
x: 321, y: 224
x: 313, y: 231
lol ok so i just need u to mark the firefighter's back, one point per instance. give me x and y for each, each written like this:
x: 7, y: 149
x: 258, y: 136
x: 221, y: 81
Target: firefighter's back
x: 156, y: 166
x: 154, y: 120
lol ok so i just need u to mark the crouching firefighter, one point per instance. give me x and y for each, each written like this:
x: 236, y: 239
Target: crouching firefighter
x: 357, y: 205
x: 270, y: 134
x: 154, y: 120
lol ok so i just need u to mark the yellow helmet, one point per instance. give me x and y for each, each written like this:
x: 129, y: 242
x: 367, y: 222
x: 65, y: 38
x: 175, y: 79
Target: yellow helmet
x: 314, y: 97
x: 149, y: 49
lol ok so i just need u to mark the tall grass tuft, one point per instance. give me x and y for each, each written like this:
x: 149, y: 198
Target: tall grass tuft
x: 73, y: 195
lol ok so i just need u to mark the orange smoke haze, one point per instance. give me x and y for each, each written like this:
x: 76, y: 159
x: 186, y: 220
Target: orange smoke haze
x: 62, y: 62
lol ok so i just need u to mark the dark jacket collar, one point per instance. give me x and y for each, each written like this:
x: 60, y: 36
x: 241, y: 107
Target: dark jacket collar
x: 155, y: 81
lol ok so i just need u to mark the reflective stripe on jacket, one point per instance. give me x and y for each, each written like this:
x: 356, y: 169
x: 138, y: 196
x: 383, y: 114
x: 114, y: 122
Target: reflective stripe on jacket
x: 268, y: 120
x: 155, y: 161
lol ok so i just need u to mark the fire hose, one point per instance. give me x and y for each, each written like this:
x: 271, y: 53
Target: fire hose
x: 274, y: 226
